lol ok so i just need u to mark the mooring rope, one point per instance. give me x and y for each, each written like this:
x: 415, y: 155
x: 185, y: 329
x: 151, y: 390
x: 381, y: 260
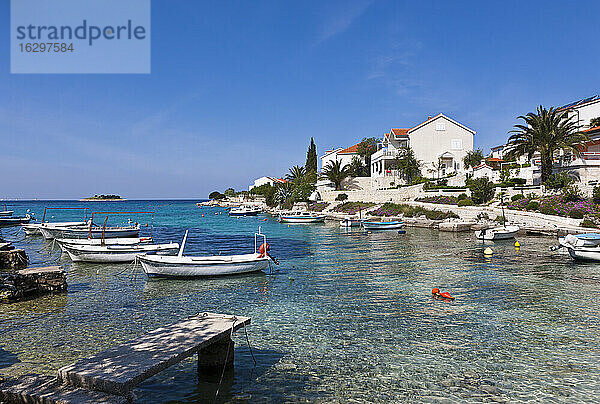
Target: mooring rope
x: 249, y: 346
x: 226, y: 356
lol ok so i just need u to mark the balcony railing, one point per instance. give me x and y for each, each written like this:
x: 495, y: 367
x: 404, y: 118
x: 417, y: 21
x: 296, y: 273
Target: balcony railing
x: 383, y: 153
x: 591, y: 155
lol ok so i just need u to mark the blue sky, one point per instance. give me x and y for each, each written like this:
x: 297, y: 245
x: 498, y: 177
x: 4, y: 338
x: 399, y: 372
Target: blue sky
x: 238, y: 88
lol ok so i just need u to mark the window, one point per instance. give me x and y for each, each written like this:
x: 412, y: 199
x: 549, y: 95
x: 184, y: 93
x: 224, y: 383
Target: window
x: 440, y: 126
x: 456, y: 144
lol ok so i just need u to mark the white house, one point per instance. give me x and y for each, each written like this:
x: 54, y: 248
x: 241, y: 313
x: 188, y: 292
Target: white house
x: 439, y: 143
x: 583, y: 111
x: 266, y: 180
x: 344, y: 155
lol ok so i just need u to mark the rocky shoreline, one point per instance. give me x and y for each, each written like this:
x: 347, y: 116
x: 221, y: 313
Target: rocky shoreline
x: 471, y: 217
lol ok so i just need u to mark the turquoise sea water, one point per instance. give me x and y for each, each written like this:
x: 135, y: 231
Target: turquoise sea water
x: 348, y: 316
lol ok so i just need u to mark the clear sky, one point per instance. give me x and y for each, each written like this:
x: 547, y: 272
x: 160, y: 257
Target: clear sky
x: 238, y: 88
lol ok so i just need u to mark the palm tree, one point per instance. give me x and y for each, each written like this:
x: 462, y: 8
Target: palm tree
x: 296, y: 173
x: 546, y: 132
x: 283, y: 193
x: 335, y: 172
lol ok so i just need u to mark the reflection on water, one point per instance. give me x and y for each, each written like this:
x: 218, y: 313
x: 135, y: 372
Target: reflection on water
x: 348, y: 315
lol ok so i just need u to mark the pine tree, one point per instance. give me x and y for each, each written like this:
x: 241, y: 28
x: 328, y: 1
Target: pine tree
x: 311, y: 157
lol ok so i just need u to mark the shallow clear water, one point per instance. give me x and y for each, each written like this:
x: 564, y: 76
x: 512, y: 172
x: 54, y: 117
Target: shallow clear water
x: 348, y: 316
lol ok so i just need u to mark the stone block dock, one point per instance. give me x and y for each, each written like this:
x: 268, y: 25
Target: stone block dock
x: 110, y: 376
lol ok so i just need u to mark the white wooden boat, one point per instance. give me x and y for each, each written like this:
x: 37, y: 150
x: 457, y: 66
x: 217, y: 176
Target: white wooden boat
x: 84, y: 231
x: 299, y: 216
x: 6, y: 213
x: 34, y: 228
x: 245, y: 210
x: 98, y: 241
x: 395, y: 224
x: 198, y: 266
x: 497, y: 233
x: 116, y: 253
x: 14, y: 221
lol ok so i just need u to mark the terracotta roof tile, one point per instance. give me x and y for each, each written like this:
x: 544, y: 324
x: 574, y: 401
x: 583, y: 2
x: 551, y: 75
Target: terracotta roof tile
x: 350, y: 150
x: 398, y: 132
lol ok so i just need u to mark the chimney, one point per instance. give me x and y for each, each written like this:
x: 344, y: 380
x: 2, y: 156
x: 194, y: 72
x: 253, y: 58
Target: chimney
x: 428, y: 117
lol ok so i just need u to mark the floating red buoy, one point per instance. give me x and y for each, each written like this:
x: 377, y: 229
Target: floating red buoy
x: 265, y: 219
x: 435, y: 292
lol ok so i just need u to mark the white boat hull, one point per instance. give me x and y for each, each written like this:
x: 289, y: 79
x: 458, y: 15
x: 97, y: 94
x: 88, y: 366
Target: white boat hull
x: 116, y: 254
x: 6, y: 213
x: 131, y: 241
x: 584, y: 253
x: 382, y: 225
x: 302, y: 219
x: 497, y: 233
x: 66, y: 232
x: 174, y: 266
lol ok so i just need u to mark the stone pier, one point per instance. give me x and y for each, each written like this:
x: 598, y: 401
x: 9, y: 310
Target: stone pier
x: 31, y: 282
x: 13, y: 259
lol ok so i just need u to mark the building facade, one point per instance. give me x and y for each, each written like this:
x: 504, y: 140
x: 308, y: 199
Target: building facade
x: 439, y: 143
x: 266, y: 180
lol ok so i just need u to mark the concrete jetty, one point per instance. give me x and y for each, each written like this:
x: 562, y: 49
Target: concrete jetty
x: 109, y: 376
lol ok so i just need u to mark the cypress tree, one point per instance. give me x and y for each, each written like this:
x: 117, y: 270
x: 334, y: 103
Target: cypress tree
x: 311, y: 157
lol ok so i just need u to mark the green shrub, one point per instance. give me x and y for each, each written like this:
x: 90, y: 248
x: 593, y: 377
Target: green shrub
x: 499, y: 219
x: 482, y: 190
x: 533, y: 205
x: 466, y: 202
x: 588, y: 223
x: 571, y: 193
x: 461, y: 197
x: 596, y: 194
x: 519, y: 181
x: 547, y: 210
x: 516, y: 197
x: 576, y: 214
x: 341, y: 197
x: 559, y: 181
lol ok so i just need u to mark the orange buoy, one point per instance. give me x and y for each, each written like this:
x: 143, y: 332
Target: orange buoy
x: 435, y: 293
x: 265, y: 219
x: 264, y: 247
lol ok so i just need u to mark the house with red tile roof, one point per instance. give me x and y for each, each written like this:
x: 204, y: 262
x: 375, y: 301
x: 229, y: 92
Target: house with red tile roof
x: 439, y: 143
x: 345, y: 155
x: 266, y: 180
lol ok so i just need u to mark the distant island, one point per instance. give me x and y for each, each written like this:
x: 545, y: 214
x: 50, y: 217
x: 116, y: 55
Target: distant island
x: 103, y: 198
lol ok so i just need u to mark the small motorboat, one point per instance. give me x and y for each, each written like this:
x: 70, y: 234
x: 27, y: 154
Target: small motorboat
x: 580, y: 240
x: 497, y: 233
x: 245, y: 210
x: 503, y: 232
x: 198, y: 266
x: 114, y: 253
x: 130, y: 241
x: 299, y: 216
x: 581, y: 247
x: 9, y: 221
x: 351, y: 222
x: 391, y: 225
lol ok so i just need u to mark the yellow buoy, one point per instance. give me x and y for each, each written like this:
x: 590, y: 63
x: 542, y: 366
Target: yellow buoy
x: 517, y: 245
x: 488, y: 251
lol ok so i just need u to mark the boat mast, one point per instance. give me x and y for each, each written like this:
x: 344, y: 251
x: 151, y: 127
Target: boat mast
x: 502, y: 205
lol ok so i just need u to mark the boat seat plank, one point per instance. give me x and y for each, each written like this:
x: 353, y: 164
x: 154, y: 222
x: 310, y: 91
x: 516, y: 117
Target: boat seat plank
x: 117, y: 370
